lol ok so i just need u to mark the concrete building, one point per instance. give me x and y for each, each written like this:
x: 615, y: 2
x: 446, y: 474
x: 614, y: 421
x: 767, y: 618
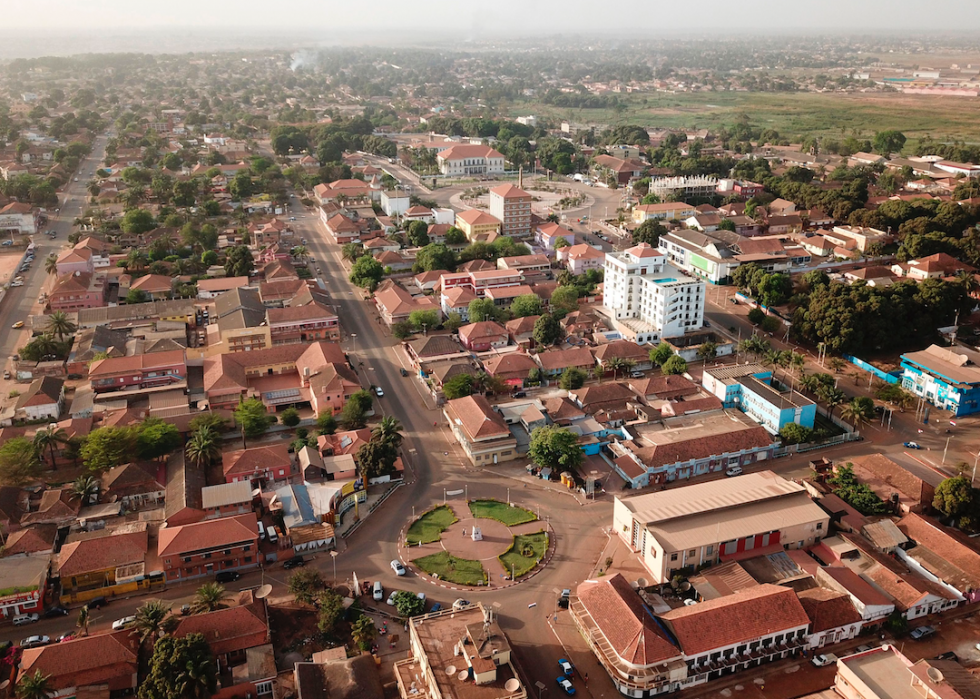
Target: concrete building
x: 653, y: 297
x: 468, y: 160
x: 208, y: 547
x: 478, y: 226
x: 687, y: 528
x: 947, y: 377
x: 665, y: 211
x: 749, y: 388
x: 512, y: 207
x: 695, y: 186
x: 481, y: 430
x: 884, y: 673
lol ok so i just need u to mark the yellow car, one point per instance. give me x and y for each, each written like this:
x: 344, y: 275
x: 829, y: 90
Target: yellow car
x: 19, y: 324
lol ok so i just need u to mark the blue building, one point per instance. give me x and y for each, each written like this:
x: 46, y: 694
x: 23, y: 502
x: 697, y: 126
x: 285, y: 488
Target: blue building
x: 947, y: 377
x: 748, y: 387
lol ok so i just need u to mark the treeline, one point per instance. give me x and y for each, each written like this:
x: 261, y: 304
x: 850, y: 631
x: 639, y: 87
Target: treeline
x: 573, y: 100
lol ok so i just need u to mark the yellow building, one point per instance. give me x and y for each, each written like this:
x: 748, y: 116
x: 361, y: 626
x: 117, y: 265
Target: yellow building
x: 478, y: 226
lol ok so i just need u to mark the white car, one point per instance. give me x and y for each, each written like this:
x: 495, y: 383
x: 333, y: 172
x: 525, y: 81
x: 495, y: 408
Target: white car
x: 123, y: 623
x: 391, y: 598
x: 379, y: 392
x: 734, y: 471
x: 460, y: 604
x: 824, y: 659
x: 398, y: 568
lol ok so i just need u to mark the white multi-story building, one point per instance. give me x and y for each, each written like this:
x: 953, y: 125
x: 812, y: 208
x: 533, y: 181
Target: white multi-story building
x: 466, y: 159
x: 651, y: 296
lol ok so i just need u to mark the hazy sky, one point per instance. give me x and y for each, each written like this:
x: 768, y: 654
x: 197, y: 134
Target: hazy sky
x: 661, y: 18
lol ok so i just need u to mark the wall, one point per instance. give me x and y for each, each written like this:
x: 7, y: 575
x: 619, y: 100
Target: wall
x: 893, y: 378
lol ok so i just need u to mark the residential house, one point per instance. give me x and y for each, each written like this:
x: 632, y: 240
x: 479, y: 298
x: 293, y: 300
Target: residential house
x: 396, y: 304
x: 310, y: 323
x: 138, y: 372
x: 666, y: 211
x: 525, y: 263
x: 478, y: 226
x: 580, y: 258
x: 625, y: 351
x: 205, y: 548
x: 521, y: 330
x: 135, y: 485
x: 749, y: 388
x: 43, y: 400
x: 86, y: 666
x: 895, y: 483
x: 38, y: 540
x: 513, y: 368
x: 546, y: 235
x: 230, y: 632
x: 227, y: 499
x: 483, y: 336
x: 265, y: 464
x: 871, y: 603
x: 554, y: 362
x: 56, y: 506
x: 92, y: 342
x: 212, y: 288
x: 833, y: 618
x: 305, y: 509
x: 184, y: 484
x: 861, y: 236
x: 688, y: 528
x: 78, y: 290
x: 156, y: 287
x: 105, y: 563
x: 480, y: 430
x: 622, y: 170
x: 935, y: 266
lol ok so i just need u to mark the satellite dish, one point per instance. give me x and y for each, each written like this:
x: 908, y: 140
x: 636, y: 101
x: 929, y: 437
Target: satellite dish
x: 935, y: 674
x: 462, y: 675
x: 642, y: 582
x: 4, y: 684
x: 685, y: 586
x: 451, y: 670
x: 512, y: 685
x: 263, y: 591
x: 635, y: 584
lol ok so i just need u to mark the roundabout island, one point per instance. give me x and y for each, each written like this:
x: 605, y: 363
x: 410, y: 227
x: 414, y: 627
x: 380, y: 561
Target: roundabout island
x: 477, y: 544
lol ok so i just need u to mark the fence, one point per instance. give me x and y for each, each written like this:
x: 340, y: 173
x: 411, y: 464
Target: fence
x: 892, y: 378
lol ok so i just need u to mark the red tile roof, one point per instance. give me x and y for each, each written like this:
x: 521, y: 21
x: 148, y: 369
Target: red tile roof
x: 98, y: 659
x: 744, y: 616
x: 477, y: 419
x: 828, y: 609
x: 626, y: 622
x: 255, y: 459
x: 102, y: 553
x: 229, y: 630
x: 207, y: 534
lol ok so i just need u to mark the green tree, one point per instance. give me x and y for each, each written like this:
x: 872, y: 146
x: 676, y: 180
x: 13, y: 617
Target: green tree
x: 239, y: 261
x: 526, y: 305
x: 107, y: 447
x: 402, y: 329
x: 453, y: 322
x: 252, y: 417
x: 153, y: 620
x: 326, y: 422
x: 181, y: 668
x: 481, y: 310
x: 956, y: 497
x: 84, y: 489
x: 423, y: 320
x: 564, y: 299
x: 306, y: 584
x: 366, y: 272
x: 290, y: 417
x: 707, y: 350
x: 857, y: 495
x: 756, y: 316
x: 572, y: 378
x: 547, y: 330
x: 209, y: 597
x: 157, y: 438
x: 674, y: 365
x: 354, y: 413
x: 48, y: 440
x: 376, y: 458
x: 203, y: 447
x: 888, y: 142
x: 435, y: 256
x: 82, y: 621
x: 661, y: 353
x: 649, y: 232
x: 60, y: 325
x: 455, y: 236
x: 388, y: 431
x: 859, y: 410
x: 417, y: 233
x: 330, y: 610
x: 136, y: 221
x: 363, y: 631
x: 555, y: 447
x: 135, y: 296
x: 771, y: 324
x: 793, y: 433
x: 458, y: 386
x: 36, y: 686
x: 408, y: 604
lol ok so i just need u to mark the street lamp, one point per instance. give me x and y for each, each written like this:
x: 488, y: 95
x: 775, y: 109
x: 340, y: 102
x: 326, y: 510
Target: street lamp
x: 540, y: 685
x: 353, y: 336
x: 333, y: 555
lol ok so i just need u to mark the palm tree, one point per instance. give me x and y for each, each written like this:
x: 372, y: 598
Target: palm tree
x: 858, y: 411
x: 810, y: 382
x: 47, y: 440
x: 84, y: 488
x: 135, y: 259
x: 615, y: 363
x: 36, y: 686
x: 153, y: 620
x: 628, y: 365
x: 969, y: 282
x: 83, y: 619
x: 209, y: 596
x: 59, y: 324
x: 51, y: 264
x: 836, y: 363
x: 195, y: 680
x: 388, y: 431
x: 300, y: 252
x: 202, y: 448
x: 832, y: 397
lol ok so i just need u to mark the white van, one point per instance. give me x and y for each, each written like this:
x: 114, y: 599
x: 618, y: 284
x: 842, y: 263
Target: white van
x: 379, y: 591
x: 261, y: 530
x: 273, y: 533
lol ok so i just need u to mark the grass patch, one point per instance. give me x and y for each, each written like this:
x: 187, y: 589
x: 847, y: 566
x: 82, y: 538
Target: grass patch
x: 525, y: 553
x: 502, y: 512
x: 452, y: 569
x: 430, y: 526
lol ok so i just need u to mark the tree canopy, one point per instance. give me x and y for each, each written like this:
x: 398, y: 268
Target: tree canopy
x: 556, y: 447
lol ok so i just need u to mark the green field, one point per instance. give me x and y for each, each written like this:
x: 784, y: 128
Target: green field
x: 502, y: 512
x: 452, y: 569
x: 430, y: 526
x: 515, y: 559
x: 793, y: 114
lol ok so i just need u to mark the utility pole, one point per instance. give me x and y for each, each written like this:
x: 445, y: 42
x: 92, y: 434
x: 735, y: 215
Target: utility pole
x: 945, y: 448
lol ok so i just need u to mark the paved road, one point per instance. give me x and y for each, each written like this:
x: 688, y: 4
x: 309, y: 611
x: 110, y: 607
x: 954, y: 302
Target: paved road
x: 20, y: 302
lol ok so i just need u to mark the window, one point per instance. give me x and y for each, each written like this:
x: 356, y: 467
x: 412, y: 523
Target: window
x: 690, y: 554
x: 673, y: 556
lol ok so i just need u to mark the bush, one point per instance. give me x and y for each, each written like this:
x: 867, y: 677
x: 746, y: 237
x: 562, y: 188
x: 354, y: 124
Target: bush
x: 290, y: 417
x: 756, y: 316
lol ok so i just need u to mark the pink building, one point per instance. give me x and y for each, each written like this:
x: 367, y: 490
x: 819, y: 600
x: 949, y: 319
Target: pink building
x: 138, y: 371
x: 581, y: 258
x: 73, y: 292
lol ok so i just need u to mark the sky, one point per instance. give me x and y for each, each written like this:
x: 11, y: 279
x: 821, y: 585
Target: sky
x: 498, y: 17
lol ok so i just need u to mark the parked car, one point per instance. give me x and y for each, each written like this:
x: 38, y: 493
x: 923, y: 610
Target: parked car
x: 123, y: 623
x: 436, y: 608
x: 6, y: 374
x: 296, y: 562
x: 824, y: 659
x: 227, y: 576
x: 460, y: 604
x: 97, y: 603
x: 398, y: 567
x: 566, y: 685
x: 922, y: 632
x: 35, y: 642
x: 403, y: 371
x: 948, y: 655
x: 520, y: 394
x: 379, y: 392
x: 19, y: 324
x: 734, y: 471
x: 911, y: 445
x: 379, y: 591
x: 185, y: 609
x: 563, y: 598
x: 65, y: 637
x: 55, y: 611
x: 24, y: 619
x: 566, y: 667
x: 391, y: 598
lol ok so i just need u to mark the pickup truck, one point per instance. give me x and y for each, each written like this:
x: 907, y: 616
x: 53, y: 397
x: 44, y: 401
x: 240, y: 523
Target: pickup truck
x: 824, y: 659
